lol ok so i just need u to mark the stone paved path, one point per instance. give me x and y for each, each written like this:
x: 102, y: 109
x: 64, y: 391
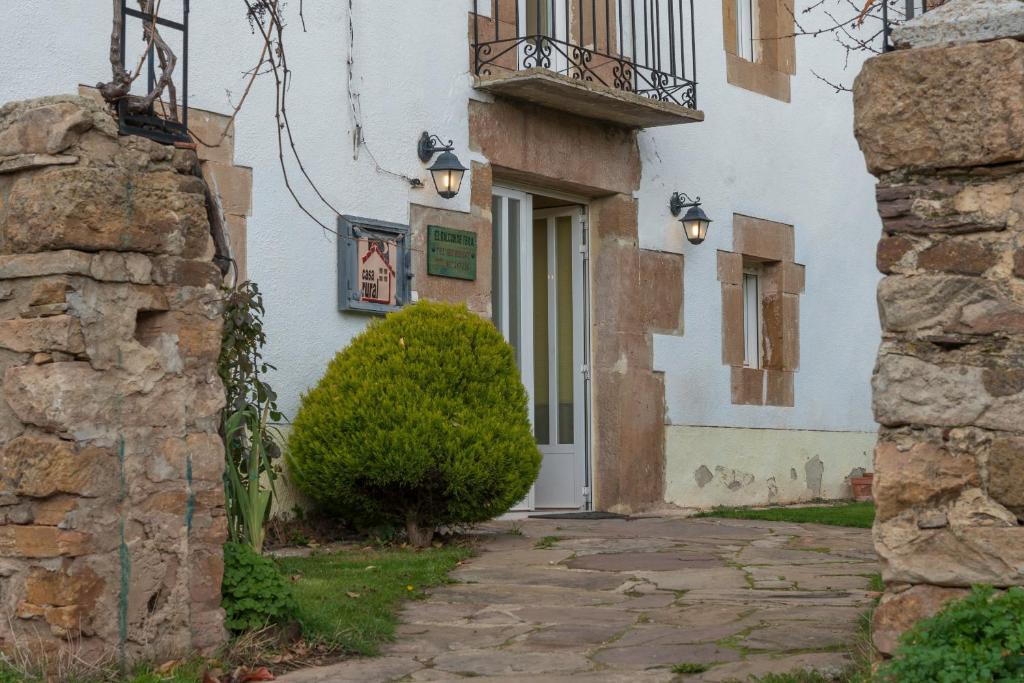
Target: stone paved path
x: 617, y: 600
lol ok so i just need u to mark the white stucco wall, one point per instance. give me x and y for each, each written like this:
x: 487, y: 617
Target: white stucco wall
x: 796, y: 163
x: 411, y: 73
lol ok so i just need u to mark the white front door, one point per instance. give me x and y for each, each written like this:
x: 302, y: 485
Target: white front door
x: 538, y: 304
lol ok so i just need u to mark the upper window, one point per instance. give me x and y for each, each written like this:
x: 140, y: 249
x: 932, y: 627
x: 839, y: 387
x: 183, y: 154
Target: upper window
x: 759, y: 40
x: 746, y: 29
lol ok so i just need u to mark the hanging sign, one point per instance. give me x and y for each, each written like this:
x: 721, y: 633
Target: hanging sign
x: 374, y: 269
x: 451, y: 253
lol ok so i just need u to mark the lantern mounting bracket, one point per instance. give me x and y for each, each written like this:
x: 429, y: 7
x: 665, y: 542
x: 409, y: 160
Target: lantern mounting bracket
x: 429, y: 145
x: 680, y: 201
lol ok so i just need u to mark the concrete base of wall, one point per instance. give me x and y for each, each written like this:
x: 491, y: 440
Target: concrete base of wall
x: 708, y: 466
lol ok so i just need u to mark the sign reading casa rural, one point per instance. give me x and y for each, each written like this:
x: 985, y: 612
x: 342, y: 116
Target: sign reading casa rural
x: 374, y: 265
x: 376, y: 272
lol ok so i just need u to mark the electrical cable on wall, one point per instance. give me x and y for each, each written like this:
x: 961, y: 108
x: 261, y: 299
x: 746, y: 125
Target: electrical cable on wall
x: 358, y: 139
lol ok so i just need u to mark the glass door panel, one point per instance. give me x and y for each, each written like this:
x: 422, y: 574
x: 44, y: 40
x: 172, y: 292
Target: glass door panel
x: 558, y: 357
x: 541, y: 349
x: 563, y: 286
x: 512, y: 286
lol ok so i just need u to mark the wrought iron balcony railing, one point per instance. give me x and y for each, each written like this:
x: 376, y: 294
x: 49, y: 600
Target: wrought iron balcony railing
x: 646, y: 47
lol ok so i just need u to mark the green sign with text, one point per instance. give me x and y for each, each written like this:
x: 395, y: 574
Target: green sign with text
x: 451, y: 253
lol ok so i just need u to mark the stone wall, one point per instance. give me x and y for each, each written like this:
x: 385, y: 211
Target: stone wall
x: 111, y: 500
x: 943, y: 130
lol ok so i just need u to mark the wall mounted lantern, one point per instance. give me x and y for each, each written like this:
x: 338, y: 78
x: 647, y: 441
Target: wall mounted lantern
x: 695, y: 222
x: 447, y: 170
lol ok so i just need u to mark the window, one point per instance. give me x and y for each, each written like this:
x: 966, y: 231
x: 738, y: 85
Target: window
x: 542, y: 9
x: 746, y: 29
x: 752, y: 318
x: 759, y: 41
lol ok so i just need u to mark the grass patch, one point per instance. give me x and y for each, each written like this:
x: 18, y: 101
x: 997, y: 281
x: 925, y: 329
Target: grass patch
x: 794, y: 677
x: 348, y: 600
x: 689, y: 668
x: 859, y: 515
x: 547, y: 542
x: 190, y: 671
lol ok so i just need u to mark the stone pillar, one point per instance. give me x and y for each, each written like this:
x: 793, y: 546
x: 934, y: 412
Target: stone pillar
x: 943, y: 130
x: 111, y: 499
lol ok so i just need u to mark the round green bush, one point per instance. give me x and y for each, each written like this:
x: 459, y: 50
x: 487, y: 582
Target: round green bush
x: 254, y: 594
x: 421, y: 421
x: 979, y: 639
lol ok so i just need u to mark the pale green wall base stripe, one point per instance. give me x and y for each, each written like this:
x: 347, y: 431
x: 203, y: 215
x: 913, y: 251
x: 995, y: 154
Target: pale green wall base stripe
x: 708, y: 466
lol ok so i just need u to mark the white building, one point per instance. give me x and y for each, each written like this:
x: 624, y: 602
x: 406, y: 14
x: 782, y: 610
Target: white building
x: 735, y: 371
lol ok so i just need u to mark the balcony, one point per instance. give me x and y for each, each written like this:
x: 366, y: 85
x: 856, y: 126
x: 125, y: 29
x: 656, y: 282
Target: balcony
x: 627, y: 62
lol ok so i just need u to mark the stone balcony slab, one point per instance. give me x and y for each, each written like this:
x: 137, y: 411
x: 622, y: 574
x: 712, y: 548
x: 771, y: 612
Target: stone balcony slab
x: 586, y: 98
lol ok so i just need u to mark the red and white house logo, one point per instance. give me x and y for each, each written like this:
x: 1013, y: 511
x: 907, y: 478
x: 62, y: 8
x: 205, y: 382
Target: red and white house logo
x: 376, y: 272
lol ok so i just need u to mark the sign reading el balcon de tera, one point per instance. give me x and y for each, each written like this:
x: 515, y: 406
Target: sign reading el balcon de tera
x: 451, y: 253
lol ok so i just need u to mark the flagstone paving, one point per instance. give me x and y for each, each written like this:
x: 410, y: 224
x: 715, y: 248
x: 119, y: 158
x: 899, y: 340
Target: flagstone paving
x: 625, y: 600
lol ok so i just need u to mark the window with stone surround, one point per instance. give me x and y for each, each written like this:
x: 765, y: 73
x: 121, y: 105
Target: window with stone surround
x: 760, y: 45
x: 761, y: 286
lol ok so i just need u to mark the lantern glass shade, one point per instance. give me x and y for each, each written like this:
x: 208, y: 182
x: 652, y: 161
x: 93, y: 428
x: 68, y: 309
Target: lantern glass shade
x: 695, y: 225
x: 447, y: 173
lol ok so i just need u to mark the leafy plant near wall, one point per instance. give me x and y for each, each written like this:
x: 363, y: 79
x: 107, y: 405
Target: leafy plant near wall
x: 974, y: 640
x: 254, y: 593
x: 251, y: 443
x: 421, y: 421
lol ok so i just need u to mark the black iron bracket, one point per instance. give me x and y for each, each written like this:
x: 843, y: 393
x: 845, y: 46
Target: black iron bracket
x: 429, y: 145
x: 680, y: 201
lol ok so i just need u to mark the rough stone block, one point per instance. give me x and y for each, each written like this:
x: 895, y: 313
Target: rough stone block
x: 44, y: 263
x: 1006, y: 473
x: 959, y: 256
x: 909, y: 390
x: 923, y: 474
x: 61, y: 589
x: 963, y: 22
x: 929, y: 204
x: 99, y: 208
x: 904, y: 118
x: 929, y: 303
x: 42, y: 541
x: 897, y: 613
x: 48, y: 128
x: 39, y: 467
x: 891, y: 252
x: 982, y: 544
x: 34, y: 335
